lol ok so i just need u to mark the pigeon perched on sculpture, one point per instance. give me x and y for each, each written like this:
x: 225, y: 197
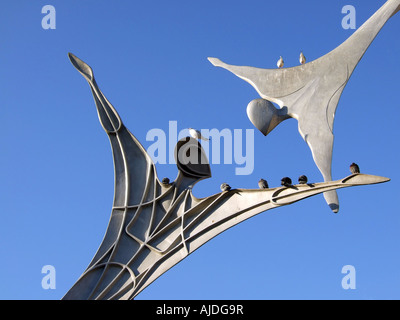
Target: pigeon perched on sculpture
x: 354, y: 168
x: 286, y: 182
x: 303, y: 179
x: 225, y: 187
x: 263, y: 184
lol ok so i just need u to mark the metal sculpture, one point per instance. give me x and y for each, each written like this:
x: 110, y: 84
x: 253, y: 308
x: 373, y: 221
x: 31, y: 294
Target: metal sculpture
x: 155, y: 224
x: 310, y: 92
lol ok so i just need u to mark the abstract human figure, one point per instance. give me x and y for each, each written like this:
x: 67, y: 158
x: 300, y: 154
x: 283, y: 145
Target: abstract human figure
x: 310, y: 92
x: 155, y: 225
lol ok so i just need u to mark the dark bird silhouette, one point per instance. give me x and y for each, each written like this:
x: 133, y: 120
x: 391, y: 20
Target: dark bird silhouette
x: 225, y: 187
x: 354, y: 168
x: 165, y: 181
x: 303, y: 179
x: 286, y: 181
x: 263, y: 184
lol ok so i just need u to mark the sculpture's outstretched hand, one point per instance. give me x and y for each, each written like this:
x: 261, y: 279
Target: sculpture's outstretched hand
x: 310, y: 92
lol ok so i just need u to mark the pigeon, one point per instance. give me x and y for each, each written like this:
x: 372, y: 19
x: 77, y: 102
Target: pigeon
x: 280, y: 63
x: 225, y: 187
x: 165, y: 181
x: 263, y: 184
x: 196, y: 134
x: 354, y: 168
x: 286, y: 182
x: 302, y: 58
x: 303, y: 179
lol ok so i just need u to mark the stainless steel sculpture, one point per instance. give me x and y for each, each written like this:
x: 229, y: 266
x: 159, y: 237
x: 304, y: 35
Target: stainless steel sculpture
x: 154, y: 224
x: 310, y: 93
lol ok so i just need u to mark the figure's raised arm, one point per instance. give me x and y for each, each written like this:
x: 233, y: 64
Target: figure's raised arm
x: 131, y: 161
x: 135, y: 181
x: 108, y: 116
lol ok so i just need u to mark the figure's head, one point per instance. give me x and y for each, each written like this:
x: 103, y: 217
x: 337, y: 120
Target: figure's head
x: 191, y: 159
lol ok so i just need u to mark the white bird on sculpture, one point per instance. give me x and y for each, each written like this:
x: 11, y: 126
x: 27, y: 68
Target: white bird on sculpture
x: 196, y: 134
x: 280, y: 63
x: 302, y: 58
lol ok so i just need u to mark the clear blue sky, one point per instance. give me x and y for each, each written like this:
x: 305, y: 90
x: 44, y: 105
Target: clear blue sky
x: 150, y: 60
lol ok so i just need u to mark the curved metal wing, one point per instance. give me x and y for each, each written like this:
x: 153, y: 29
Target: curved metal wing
x: 136, y: 183
x: 143, y: 207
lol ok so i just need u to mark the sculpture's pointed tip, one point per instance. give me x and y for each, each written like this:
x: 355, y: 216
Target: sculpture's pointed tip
x: 74, y: 59
x: 356, y: 179
x: 361, y: 179
x: 81, y: 66
x: 215, y: 61
x: 334, y: 207
x: 332, y: 199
